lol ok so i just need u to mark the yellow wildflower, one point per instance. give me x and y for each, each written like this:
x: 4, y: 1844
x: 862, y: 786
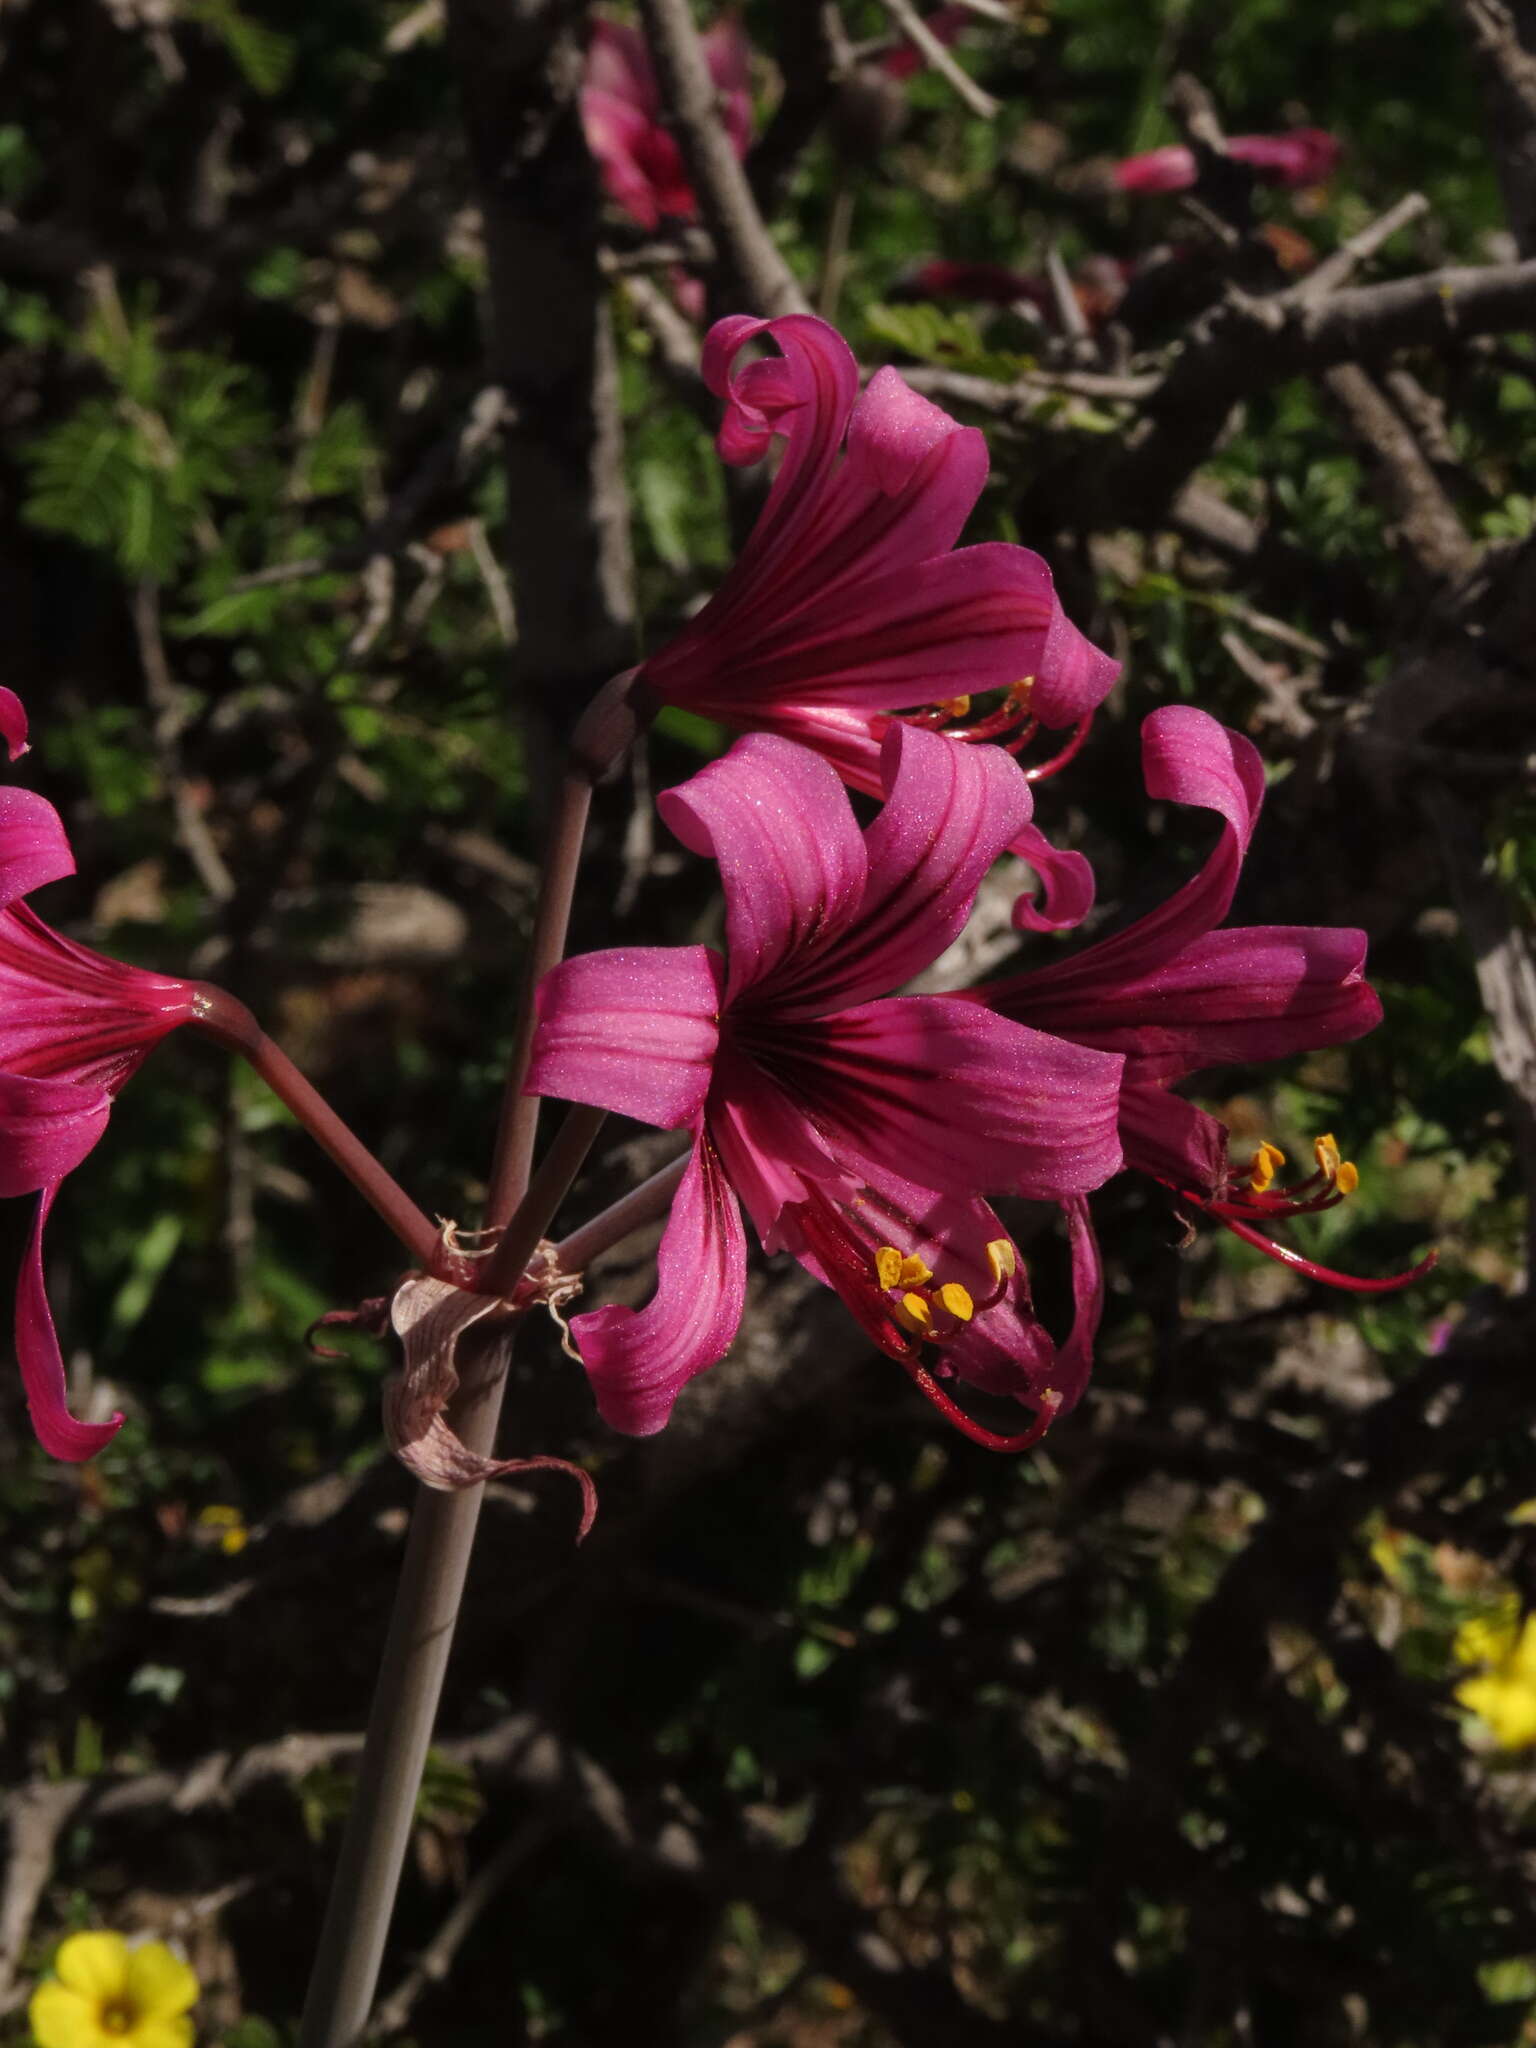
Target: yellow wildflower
x: 104, y: 1994
x: 1503, y: 1695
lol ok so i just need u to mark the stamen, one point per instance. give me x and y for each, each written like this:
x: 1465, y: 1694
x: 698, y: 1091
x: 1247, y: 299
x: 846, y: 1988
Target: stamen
x: 1069, y: 752
x: 888, y: 1265
x: 913, y: 1272
x: 1262, y: 1170
x: 1002, y: 1259
x: 1248, y: 1204
x: 957, y: 1301
x: 914, y: 1314
x: 1050, y: 1408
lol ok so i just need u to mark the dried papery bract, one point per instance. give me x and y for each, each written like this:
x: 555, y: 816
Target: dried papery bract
x: 431, y: 1318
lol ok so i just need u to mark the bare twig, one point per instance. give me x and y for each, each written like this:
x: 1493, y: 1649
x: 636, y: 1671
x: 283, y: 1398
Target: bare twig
x: 167, y: 724
x: 759, y: 278
x: 437, y: 1958
x: 36, y: 1815
x: 1505, y: 960
x: 1500, y: 37
x: 1340, y: 264
x: 1427, y: 528
x: 937, y: 58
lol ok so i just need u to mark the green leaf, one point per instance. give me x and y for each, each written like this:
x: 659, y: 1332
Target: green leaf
x: 264, y: 56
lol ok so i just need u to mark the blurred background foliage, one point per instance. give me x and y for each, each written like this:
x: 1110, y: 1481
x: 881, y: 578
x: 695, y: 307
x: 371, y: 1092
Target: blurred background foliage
x: 922, y: 1714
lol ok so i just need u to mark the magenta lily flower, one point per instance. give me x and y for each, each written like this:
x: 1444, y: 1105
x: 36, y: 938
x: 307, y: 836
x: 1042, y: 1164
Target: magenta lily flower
x: 621, y: 115
x: 851, y: 601
x: 860, y: 1130
x: 73, y: 1027
x: 1173, y: 994
x: 1299, y: 156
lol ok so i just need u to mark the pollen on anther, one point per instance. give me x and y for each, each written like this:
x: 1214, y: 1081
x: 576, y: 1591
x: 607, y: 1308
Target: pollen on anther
x: 1347, y: 1179
x: 1265, y: 1161
x: 958, y: 1302
x: 913, y: 1272
x: 888, y: 1267
x: 1002, y: 1259
x: 913, y: 1312
x: 1326, y: 1151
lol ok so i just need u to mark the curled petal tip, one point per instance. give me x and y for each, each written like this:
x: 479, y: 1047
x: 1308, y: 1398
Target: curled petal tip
x: 13, y: 724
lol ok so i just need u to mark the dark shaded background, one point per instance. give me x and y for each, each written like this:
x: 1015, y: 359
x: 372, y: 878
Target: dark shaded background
x: 838, y: 1730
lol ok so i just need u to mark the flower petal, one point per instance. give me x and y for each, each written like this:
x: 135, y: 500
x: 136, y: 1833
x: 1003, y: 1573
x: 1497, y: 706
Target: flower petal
x: 61, y: 1436
x: 61, y: 2018
x: 160, y: 1984
x: 1066, y: 881
x: 767, y: 1146
x: 955, y: 625
x: 913, y: 1085
x: 634, y: 1029
x: 1171, y: 1140
x: 34, y: 847
x: 71, y: 1013
x: 46, y: 1129
x: 640, y: 1360
x: 94, y: 1964
x: 1188, y: 758
x: 1072, y: 676
x: 13, y: 724
x: 950, y: 810
x: 1074, y: 1360
x: 1252, y: 992
x: 619, y: 62
x: 791, y: 858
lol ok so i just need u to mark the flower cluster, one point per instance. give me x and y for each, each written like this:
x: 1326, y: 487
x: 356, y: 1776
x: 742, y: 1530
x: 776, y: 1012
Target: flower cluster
x: 863, y: 1130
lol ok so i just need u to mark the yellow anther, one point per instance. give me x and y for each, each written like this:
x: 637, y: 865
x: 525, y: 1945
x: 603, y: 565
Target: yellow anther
x: 1347, y: 1179
x: 1326, y: 1152
x: 954, y: 1297
x: 888, y: 1265
x: 1002, y: 1260
x: 954, y: 707
x: 913, y: 1272
x: 914, y: 1314
x: 1262, y: 1171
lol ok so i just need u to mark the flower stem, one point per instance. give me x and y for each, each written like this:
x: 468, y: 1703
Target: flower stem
x: 223, y: 1018
x: 612, y: 1225
x: 520, y: 1112
x: 442, y: 1532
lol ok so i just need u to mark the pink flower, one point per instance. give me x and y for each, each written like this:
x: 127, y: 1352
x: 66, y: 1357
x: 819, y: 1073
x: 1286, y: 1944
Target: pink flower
x: 1299, y: 156
x: 1173, y: 994
x: 858, y: 1131
x: 73, y: 1027
x: 850, y: 600
x: 621, y: 114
